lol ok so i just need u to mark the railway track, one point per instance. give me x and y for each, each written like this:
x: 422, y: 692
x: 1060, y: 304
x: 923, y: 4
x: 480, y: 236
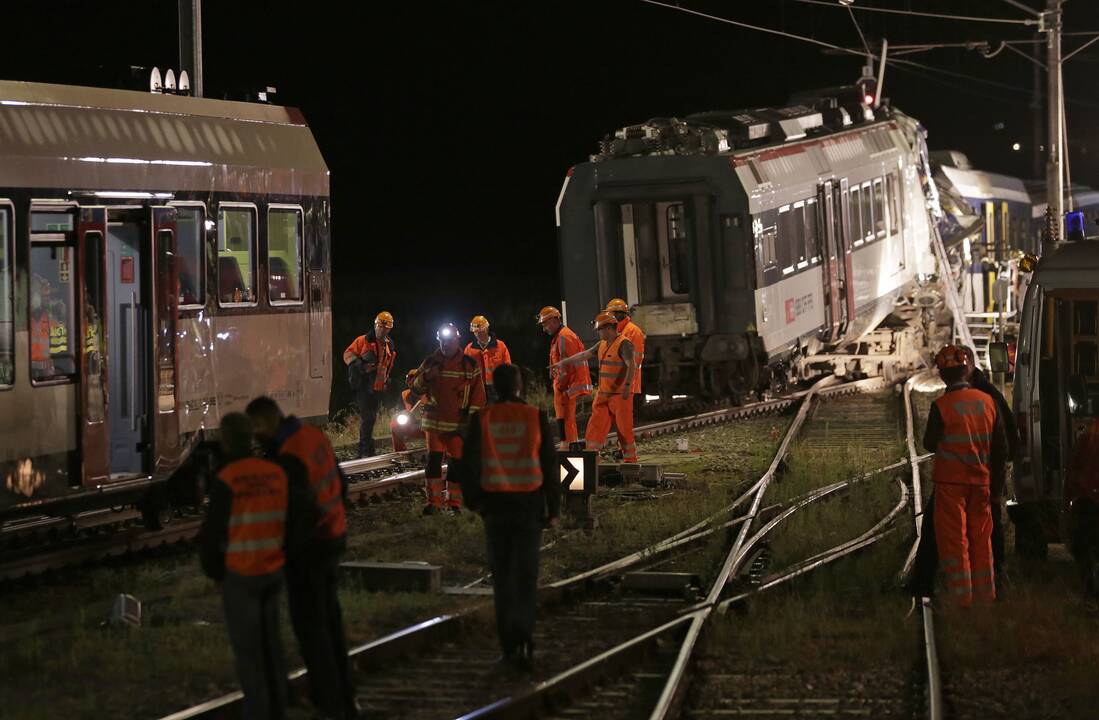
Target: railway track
x: 444, y: 668
x: 43, y: 544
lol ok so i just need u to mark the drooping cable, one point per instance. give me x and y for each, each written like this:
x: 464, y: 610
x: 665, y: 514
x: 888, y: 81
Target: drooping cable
x: 917, y: 13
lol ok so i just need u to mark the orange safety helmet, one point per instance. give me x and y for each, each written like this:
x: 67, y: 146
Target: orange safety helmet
x: 950, y: 356
x: 479, y: 322
x: 603, y: 319
x: 384, y: 318
x: 546, y: 313
x: 617, y: 305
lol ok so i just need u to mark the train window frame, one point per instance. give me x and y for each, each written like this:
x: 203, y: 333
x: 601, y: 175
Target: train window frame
x: 253, y: 255
x: 812, y: 242
x: 854, y: 214
x: 9, y: 248
x: 877, y: 206
x: 867, y: 203
x: 66, y: 238
x: 791, y: 211
x: 765, y: 237
x: 201, y: 292
x: 286, y: 207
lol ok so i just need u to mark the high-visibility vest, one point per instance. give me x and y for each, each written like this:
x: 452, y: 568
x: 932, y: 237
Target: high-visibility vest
x: 59, y: 339
x: 456, y: 390
x: 489, y: 357
x: 91, y: 339
x: 963, y: 453
x: 577, y: 377
x: 311, y: 447
x: 612, y: 368
x: 40, y: 339
x: 383, y: 352
x: 511, y: 436
x: 257, y: 520
x: 636, y: 336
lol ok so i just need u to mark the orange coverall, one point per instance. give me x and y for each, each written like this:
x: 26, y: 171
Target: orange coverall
x: 609, y: 405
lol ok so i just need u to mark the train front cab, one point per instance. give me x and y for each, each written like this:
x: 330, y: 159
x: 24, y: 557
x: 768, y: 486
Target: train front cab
x: 94, y: 366
x: 1056, y: 401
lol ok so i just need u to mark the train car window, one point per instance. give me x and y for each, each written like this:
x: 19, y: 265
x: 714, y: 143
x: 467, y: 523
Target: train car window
x: 812, y: 237
x: 236, y: 255
x: 191, y: 249
x: 284, y: 251
x: 679, y: 250
x: 7, y: 306
x: 867, y: 205
x: 763, y: 228
x: 53, y: 341
x: 879, y: 210
x: 791, y: 232
x: 856, y: 216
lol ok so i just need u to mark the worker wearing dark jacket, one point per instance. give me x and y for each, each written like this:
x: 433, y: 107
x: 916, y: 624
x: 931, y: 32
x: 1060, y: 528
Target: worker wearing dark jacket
x: 256, y: 520
x: 315, y: 612
x: 966, y: 434
x: 369, y: 359
x: 509, y: 474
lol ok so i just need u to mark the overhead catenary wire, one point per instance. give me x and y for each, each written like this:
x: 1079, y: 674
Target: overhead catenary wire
x: 858, y: 29
x: 917, y: 13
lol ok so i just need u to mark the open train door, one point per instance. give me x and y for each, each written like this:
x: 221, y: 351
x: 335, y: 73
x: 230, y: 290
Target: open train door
x: 164, y: 285
x: 831, y: 234
x: 92, y: 291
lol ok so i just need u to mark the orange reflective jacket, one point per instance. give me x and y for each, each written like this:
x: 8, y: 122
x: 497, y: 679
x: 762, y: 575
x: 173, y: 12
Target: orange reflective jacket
x: 573, y: 380
x: 383, y: 353
x: 311, y: 447
x: 489, y: 357
x: 963, y: 454
x: 511, y: 435
x: 40, y: 338
x: 257, y: 518
x: 454, y: 390
x: 635, y: 335
x: 612, y: 369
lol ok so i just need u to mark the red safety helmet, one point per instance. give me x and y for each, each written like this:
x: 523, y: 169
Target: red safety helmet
x: 950, y: 356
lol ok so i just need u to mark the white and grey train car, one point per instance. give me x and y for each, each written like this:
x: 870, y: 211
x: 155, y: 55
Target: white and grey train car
x: 163, y: 259
x: 747, y: 243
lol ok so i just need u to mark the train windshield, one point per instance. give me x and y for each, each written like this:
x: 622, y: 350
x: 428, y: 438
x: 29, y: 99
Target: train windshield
x: 655, y: 241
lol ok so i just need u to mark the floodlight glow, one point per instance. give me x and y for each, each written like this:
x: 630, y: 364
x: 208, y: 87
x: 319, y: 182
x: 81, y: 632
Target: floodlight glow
x: 402, y: 419
x: 445, y: 332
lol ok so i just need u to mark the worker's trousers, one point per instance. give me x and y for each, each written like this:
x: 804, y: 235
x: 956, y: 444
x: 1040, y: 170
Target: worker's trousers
x: 513, y: 544
x: 618, y: 410
x: 318, y: 625
x: 440, y: 445
x: 963, y: 534
x: 368, y: 414
x: 564, y: 409
x: 921, y: 583
x: 252, y: 617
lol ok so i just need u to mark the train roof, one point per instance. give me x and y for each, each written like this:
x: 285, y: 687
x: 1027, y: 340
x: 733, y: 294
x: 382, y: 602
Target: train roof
x: 79, y: 138
x: 1072, y: 265
x: 982, y: 185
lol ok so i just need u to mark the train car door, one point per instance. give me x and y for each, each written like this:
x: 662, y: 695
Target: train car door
x: 832, y: 258
x: 127, y: 341
x: 843, y: 247
x: 163, y: 273
x: 92, y: 271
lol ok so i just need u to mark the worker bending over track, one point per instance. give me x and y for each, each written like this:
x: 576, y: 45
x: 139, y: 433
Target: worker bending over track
x: 453, y: 388
x: 405, y: 425
x: 571, y: 382
x: 614, y: 397
x: 312, y: 577
x: 510, y: 473
x: 258, y: 516
x: 966, y: 434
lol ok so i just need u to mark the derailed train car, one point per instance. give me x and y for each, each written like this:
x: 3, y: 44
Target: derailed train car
x: 750, y: 243
x: 163, y: 259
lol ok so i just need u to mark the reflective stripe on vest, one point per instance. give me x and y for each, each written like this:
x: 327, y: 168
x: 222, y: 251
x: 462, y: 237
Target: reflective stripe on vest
x: 385, y: 363
x: 565, y: 345
x: 612, y: 369
x: 257, y: 518
x: 963, y: 453
x: 59, y: 339
x: 511, y: 437
x: 310, y: 446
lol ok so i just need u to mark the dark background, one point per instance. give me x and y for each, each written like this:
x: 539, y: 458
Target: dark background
x: 448, y: 128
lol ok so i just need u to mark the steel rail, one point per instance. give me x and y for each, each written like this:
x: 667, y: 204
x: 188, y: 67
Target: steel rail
x: 934, y: 682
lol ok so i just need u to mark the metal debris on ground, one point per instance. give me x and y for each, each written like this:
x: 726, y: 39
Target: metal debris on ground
x: 126, y: 611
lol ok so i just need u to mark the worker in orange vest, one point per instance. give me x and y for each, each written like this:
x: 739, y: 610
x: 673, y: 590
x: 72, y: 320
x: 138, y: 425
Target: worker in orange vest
x: 967, y: 435
x: 406, y: 424
x: 40, y: 337
x: 453, y: 388
x: 571, y: 382
x: 488, y: 350
x: 510, y: 475
x: 635, y: 335
x: 369, y: 359
x: 614, y: 397
x: 315, y: 612
x: 258, y: 516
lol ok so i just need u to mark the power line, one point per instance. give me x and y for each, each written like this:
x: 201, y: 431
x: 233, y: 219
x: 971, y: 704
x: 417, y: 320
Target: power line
x: 859, y: 30
x: 916, y: 13
x: 1024, y: 8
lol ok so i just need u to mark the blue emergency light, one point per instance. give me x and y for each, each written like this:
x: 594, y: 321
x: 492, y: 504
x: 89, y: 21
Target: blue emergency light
x: 1075, y: 226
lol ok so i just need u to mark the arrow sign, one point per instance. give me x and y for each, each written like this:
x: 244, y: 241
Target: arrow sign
x: 572, y: 472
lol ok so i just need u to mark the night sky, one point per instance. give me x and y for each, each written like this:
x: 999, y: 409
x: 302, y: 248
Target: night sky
x: 448, y: 128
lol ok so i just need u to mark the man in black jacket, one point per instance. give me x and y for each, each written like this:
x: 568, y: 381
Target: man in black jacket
x: 510, y: 474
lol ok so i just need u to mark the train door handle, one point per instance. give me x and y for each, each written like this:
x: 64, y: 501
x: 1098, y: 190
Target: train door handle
x: 133, y: 358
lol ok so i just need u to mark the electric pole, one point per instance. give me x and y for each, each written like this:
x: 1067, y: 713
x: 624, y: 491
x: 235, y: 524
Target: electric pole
x: 190, y: 42
x: 1050, y: 23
